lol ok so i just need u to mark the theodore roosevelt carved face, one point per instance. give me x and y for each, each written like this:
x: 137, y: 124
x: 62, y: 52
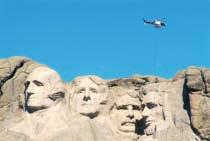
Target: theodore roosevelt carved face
x: 126, y: 111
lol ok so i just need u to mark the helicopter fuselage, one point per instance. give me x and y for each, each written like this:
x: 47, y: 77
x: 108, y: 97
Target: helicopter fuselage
x: 155, y: 23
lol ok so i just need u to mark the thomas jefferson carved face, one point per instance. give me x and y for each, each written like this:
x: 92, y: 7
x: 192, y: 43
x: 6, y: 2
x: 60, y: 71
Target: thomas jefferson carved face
x: 152, y: 112
x: 42, y: 87
x: 89, y: 93
x: 126, y: 113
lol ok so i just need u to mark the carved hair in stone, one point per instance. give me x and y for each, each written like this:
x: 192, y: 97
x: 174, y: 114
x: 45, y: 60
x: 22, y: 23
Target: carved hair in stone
x: 43, y: 89
x: 87, y: 95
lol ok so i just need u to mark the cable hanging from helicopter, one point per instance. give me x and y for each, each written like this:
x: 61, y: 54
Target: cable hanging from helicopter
x: 159, y: 24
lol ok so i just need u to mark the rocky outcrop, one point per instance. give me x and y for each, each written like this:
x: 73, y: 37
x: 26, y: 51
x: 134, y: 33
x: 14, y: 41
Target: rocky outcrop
x: 198, y: 87
x: 13, y: 72
x: 140, y: 108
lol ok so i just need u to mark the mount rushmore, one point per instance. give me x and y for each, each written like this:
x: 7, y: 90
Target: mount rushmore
x: 37, y: 105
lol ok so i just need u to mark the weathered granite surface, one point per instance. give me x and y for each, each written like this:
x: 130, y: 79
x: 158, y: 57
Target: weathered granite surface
x: 198, y: 85
x: 13, y: 72
x: 36, y: 105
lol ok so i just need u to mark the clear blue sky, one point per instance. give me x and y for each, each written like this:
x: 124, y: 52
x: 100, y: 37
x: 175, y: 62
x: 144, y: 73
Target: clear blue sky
x: 107, y: 37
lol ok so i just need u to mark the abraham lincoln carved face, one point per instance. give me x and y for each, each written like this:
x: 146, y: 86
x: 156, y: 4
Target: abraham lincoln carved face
x: 152, y: 112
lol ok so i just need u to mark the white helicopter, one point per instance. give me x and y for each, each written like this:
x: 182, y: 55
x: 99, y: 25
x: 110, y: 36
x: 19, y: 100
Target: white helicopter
x: 158, y: 23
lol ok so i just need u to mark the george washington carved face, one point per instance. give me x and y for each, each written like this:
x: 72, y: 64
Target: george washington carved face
x: 42, y: 88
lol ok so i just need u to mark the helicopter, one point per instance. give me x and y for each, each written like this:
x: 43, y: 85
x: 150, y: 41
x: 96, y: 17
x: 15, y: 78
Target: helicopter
x: 158, y: 23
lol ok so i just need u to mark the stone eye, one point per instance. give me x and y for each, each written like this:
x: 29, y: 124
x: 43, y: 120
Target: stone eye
x: 81, y: 91
x: 122, y: 107
x: 93, y: 90
x: 151, y: 105
x: 142, y: 106
x: 38, y: 83
x: 136, y: 107
x: 26, y: 84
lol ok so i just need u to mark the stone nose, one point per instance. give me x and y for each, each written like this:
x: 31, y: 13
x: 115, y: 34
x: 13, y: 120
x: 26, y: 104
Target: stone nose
x: 130, y: 116
x: 30, y: 88
x: 29, y: 92
x: 130, y: 112
x: 86, y: 96
x: 145, y: 112
x: 27, y: 96
x: 87, y: 93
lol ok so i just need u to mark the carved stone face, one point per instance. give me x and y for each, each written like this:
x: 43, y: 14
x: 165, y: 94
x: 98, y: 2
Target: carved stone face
x: 152, y: 112
x: 125, y: 113
x: 87, y: 97
x: 39, y: 87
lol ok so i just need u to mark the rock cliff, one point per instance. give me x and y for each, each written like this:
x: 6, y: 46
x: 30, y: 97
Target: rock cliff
x: 35, y: 104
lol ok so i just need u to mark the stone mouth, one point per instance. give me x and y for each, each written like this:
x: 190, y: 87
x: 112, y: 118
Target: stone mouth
x: 87, y: 104
x: 128, y: 123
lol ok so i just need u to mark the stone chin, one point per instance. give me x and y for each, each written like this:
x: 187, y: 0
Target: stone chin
x: 150, y: 130
x: 86, y: 109
x: 89, y: 112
